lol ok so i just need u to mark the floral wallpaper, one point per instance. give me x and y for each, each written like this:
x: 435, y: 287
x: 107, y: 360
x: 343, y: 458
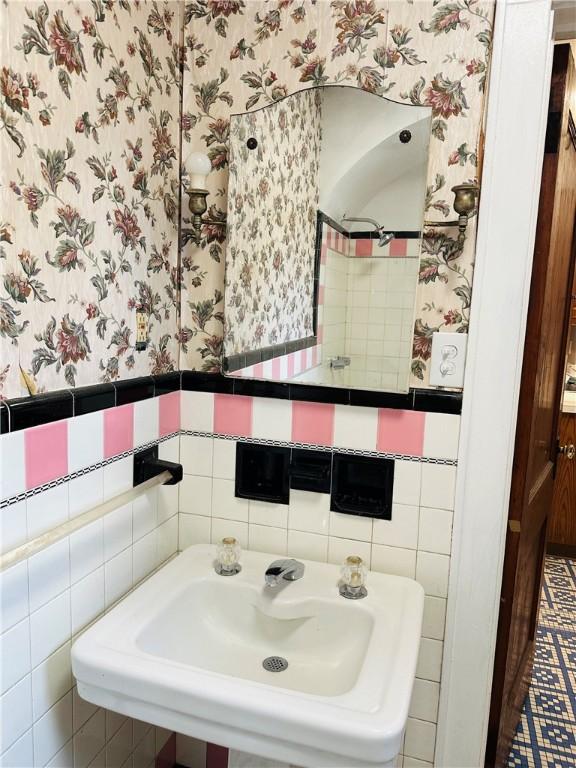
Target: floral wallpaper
x: 89, y: 132
x: 244, y: 54
x: 269, y: 295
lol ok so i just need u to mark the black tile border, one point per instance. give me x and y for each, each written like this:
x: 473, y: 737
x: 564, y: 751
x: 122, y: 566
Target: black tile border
x: 25, y: 412
x: 255, y: 356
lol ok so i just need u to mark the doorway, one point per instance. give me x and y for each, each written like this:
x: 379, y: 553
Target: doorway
x: 532, y: 712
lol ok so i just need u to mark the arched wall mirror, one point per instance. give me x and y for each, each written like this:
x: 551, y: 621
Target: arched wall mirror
x: 325, y: 212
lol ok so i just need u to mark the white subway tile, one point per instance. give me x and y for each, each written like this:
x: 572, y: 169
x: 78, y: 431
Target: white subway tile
x: 87, y: 597
x: 119, y: 747
x: 117, y: 531
x: 86, y: 491
x: 117, y: 576
x: 64, y: 758
x: 144, y: 556
x: 14, y: 654
x: 144, y: 752
x: 271, y: 418
x: 118, y: 476
x: 264, y: 538
x: 413, y: 762
x: 195, y: 495
x: 420, y: 739
x: 438, y: 486
x: 90, y: 740
x: 86, y: 550
x: 85, y: 440
x: 197, y: 411
x: 355, y: 427
x: 144, y: 514
x: 407, y: 482
x: 225, y: 504
x: 15, y: 712
x: 168, y: 496
x: 12, y: 464
x: 51, y: 680
x: 167, y: 538
x: 424, y: 703
x: 429, y: 666
x: 50, y: 626
x: 441, y: 436
x: 20, y: 754
x: 46, y: 510
x: 13, y: 595
x: 309, y: 546
x: 401, y: 530
x: 196, y: 455
x: 193, y: 529
x: 309, y: 512
x: 434, y: 617
x: 222, y: 528
x: 82, y: 710
x: 340, y: 549
x: 48, y: 573
x: 266, y: 513
x: 394, y: 560
x: 13, y: 530
x: 169, y: 450
x: 115, y: 721
x: 435, y: 531
x: 224, y: 459
x: 350, y: 526
x: 146, y: 421
x: 432, y: 572
x: 53, y: 730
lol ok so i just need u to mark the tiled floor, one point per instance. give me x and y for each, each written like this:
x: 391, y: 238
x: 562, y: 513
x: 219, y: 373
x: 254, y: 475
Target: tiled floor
x: 546, y: 735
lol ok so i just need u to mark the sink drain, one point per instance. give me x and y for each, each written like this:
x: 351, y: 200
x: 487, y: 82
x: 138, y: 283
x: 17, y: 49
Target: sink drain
x: 275, y: 664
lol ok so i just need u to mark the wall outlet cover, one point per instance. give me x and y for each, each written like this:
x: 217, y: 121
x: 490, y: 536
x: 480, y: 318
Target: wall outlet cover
x: 448, y: 359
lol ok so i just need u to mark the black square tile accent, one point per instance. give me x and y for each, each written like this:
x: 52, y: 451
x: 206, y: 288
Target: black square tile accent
x: 362, y: 485
x: 435, y: 401
x: 262, y: 472
x: 31, y: 411
x: 166, y: 382
x: 91, y: 399
x: 310, y: 470
x: 133, y: 390
x: 317, y: 394
x: 375, y: 399
x: 257, y: 388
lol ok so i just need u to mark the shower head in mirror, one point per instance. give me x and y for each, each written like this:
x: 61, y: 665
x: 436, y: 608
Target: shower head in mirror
x: 384, y: 237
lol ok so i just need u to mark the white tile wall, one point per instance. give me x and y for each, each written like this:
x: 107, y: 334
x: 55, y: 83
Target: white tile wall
x: 415, y: 543
x: 53, y: 595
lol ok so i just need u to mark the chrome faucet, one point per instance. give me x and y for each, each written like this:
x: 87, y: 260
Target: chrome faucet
x: 283, y: 570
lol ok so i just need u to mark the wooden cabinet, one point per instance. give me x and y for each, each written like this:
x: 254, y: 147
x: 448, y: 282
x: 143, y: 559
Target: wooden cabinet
x: 562, y: 523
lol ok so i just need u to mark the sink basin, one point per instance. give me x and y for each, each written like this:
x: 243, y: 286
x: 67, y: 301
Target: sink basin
x: 185, y: 651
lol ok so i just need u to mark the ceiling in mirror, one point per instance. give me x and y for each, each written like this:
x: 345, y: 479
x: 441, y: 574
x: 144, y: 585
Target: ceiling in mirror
x: 326, y: 202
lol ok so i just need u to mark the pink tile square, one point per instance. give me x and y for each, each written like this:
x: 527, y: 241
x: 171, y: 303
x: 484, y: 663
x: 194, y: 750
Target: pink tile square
x: 258, y: 371
x: 315, y: 355
x: 46, y: 453
x: 398, y: 247
x: 400, y: 431
x: 276, y: 368
x: 169, y: 413
x: 291, y: 364
x: 313, y: 423
x: 320, y: 334
x: 321, y: 294
x: 363, y: 247
x: 233, y: 415
x: 118, y: 430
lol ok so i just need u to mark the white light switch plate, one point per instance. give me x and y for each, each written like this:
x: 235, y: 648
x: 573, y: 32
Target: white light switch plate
x: 448, y: 359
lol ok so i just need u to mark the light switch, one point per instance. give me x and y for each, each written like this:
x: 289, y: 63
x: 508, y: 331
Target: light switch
x: 448, y: 359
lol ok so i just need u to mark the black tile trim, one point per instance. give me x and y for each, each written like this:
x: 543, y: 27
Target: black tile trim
x: 25, y: 412
x: 373, y: 235
x: 255, y: 356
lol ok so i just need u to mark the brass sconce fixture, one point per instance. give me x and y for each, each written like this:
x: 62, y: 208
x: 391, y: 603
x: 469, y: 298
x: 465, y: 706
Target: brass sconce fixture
x: 465, y: 202
x: 199, y: 166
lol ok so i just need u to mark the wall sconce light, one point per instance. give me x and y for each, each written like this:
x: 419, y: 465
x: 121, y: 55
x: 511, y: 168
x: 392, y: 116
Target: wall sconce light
x: 465, y: 202
x: 199, y: 166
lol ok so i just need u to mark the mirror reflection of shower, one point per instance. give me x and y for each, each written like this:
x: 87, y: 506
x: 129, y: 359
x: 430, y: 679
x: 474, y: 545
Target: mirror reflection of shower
x: 383, y: 237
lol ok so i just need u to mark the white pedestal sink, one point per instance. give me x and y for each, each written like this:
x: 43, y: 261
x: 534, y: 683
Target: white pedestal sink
x: 185, y: 651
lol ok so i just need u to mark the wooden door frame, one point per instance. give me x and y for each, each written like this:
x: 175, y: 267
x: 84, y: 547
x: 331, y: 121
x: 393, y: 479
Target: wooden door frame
x: 508, y: 212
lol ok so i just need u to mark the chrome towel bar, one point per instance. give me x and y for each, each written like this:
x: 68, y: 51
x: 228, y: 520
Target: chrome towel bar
x: 45, y: 540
